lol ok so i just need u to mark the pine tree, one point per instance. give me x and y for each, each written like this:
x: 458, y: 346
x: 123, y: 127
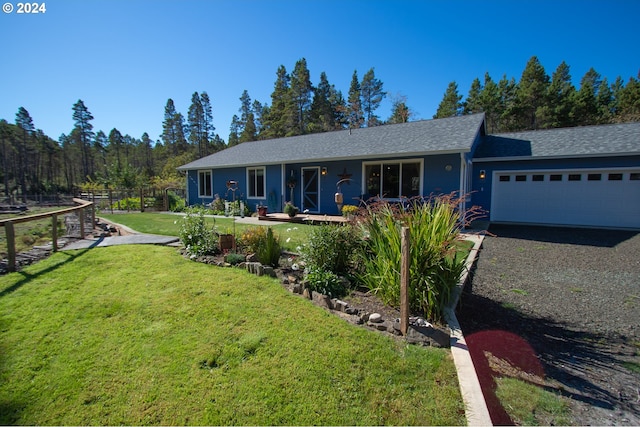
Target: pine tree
x: 116, y: 145
x: 208, y: 127
x: 246, y: 125
x: 321, y: 113
x: 629, y: 101
x: 196, y: 123
x: 490, y: 103
x: 531, y: 94
x: 508, y: 121
x: 372, y: 95
x: 451, y: 104
x: 400, y: 112
x: 276, y: 121
x: 234, y: 131
x: 604, y: 102
x: 473, y: 102
x: 25, y: 124
x: 586, y: 107
x: 84, y: 132
x: 301, y: 90
x: 560, y: 97
x: 354, y: 104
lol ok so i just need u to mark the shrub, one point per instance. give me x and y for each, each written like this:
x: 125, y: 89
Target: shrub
x: 269, y: 250
x: 253, y: 237
x: 331, y: 248
x: 195, y: 236
x: 234, y: 259
x: 290, y: 209
x: 326, y: 283
x: 435, y: 268
x: 176, y: 203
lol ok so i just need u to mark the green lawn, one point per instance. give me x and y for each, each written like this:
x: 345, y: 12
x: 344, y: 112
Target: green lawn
x: 139, y: 335
x: 168, y: 225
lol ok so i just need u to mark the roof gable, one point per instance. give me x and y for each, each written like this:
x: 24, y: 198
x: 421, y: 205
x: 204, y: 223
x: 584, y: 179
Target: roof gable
x: 456, y: 134
x: 613, y: 139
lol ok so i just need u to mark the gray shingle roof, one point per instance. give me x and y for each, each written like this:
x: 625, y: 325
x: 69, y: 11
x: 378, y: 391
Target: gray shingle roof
x: 612, y: 139
x: 455, y: 134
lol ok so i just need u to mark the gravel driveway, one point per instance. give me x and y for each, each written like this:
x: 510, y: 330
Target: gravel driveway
x: 559, y: 307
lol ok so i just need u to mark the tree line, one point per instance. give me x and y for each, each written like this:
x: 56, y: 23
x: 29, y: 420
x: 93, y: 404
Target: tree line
x: 33, y: 163
x: 539, y: 101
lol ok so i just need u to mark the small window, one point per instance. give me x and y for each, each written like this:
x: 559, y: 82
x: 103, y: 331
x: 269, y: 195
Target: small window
x: 594, y: 177
x: 505, y: 178
x: 634, y: 177
x: 204, y: 184
x: 575, y: 177
x: 521, y: 178
x: 256, y: 187
x: 615, y: 177
x: 537, y: 178
x: 555, y: 177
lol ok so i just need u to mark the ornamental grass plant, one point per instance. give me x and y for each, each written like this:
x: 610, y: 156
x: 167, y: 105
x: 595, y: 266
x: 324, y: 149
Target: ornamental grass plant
x: 434, y: 226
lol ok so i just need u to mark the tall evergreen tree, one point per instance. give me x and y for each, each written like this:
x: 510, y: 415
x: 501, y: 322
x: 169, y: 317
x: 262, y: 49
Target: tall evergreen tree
x: 301, y: 90
x: 508, y: 121
x: 490, y: 103
x: 116, y: 147
x: 276, y: 121
x: 586, y: 106
x: 473, y: 102
x: 604, y: 102
x: 25, y: 124
x: 451, y: 104
x: 84, y: 132
x: 531, y: 94
x: 234, y: 131
x: 560, y: 97
x: 321, y: 114
x: 354, y: 103
x: 372, y: 95
x: 629, y: 101
x: 196, y: 123
x: 207, y: 124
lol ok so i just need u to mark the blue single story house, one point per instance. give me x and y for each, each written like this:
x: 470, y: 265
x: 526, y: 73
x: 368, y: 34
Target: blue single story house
x: 587, y: 176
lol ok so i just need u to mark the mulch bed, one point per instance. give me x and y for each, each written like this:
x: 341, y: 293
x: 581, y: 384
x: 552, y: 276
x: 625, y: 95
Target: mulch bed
x: 559, y: 307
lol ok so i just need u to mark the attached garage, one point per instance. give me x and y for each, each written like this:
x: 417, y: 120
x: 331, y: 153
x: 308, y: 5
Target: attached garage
x: 582, y: 176
x: 584, y: 197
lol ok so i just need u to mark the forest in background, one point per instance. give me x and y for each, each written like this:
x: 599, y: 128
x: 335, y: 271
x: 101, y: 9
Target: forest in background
x: 34, y: 163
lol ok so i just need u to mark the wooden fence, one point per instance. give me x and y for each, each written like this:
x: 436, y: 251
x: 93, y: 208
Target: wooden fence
x: 10, y: 234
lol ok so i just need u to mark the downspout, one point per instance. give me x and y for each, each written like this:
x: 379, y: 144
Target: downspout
x: 463, y: 188
x: 283, y: 173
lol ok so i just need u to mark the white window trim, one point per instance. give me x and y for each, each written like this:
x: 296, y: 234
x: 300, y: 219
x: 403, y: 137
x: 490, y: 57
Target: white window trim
x: 201, y: 193
x: 264, y: 182
x: 419, y: 160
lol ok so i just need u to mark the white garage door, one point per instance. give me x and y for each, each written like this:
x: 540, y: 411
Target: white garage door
x: 585, y: 197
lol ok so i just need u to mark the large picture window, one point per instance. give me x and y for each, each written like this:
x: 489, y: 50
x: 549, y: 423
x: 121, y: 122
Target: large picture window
x: 204, y: 184
x: 256, y: 183
x: 392, y: 180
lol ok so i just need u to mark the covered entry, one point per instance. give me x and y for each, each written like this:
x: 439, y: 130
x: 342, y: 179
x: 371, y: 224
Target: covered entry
x: 583, y: 197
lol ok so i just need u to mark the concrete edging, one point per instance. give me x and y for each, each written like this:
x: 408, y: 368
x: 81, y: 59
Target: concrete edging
x: 476, y: 410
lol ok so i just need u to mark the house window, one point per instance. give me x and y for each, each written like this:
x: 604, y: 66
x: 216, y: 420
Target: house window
x: 393, y: 180
x: 256, y: 183
x: 204, y: 184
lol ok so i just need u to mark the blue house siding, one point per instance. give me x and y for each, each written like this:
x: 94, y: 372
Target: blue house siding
x: 482, y: 187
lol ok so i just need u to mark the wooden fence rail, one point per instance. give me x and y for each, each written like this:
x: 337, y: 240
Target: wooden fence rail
x: 10, y: 233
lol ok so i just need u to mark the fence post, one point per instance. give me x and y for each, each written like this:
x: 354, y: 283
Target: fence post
x: 54, y: 232
x: 11, y: 246
x: 81, y: 215
x: 404, y: 280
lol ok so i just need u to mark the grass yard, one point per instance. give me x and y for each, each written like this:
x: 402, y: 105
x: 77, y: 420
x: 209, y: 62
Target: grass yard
x: 139, y: 335
x: 169, y: 225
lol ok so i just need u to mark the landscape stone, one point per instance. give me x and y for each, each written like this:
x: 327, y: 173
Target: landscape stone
x: 375, y: 318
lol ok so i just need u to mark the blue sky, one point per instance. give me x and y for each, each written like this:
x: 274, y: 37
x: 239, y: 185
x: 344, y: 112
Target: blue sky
x: 125, y: 58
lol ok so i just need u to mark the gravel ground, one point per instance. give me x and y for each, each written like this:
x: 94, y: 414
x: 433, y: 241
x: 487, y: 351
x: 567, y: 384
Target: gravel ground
x: 559, y: 307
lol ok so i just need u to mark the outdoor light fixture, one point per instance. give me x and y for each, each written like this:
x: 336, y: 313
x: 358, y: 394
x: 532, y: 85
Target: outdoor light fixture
x: 483, y: 174
x: 324, y: 171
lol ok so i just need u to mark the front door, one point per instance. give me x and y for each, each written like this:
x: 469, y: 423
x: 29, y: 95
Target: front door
x: 311, y: 189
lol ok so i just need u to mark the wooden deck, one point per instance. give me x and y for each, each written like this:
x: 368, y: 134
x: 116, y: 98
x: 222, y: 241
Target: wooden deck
x: 304, y: 218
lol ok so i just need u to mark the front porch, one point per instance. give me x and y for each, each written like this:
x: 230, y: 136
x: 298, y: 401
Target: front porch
x: 304, y: 218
